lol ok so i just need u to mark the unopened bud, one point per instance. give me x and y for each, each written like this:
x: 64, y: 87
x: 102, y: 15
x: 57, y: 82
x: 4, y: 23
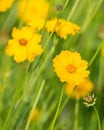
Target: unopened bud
x: 59, y: 7
x: 89, y: 100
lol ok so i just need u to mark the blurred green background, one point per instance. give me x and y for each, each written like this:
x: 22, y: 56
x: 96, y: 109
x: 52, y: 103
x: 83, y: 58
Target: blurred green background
x: 89, y: 15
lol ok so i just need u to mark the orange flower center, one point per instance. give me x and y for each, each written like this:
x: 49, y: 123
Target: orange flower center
x: 22, y: 42
x: 71, y: 68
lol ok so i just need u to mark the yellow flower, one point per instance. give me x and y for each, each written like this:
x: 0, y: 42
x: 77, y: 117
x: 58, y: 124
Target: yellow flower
x: 66, y: 27
x: 35, y: 115
x: 35, y: 9
x: 1, y: 88
x: 70, y: 68
x: 24, y: 45
x: 5, y: 5
x: 63, y: 27
x: 37, y: 24
x: 51, y: 25
x: 83, y: 89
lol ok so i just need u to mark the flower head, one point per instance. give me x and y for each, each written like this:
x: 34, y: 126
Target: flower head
x: 81, y: 90
x: 24, y: 45
x: 70, y: 67
x: 59, y: 7
x: 89, y: 100
x: 35, y: 9
x: 62, y: 27
x: 5, y: 5
x: 36, y: 24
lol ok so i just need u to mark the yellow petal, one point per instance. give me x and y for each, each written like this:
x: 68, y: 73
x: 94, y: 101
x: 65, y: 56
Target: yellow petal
x: 20, y: 54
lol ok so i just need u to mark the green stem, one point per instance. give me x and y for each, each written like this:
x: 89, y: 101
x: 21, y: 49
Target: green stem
x: 38, y: 71
x: 57, y: 111
x: 66, y: 3
x: 88, y: 18
x: 65, y: 102
x: 41, y: 68
x: 100, y: 76
x: 73, y: 9
x: 44, y: 63
x: 98, y: 119
x: 51, y: 34
x: 35, y: 103
x: 67, y: 99
x: 76, y: 114
x: 11, y: 108
x: 28, y: 66
x: 90, y: 15
x: 12, y: 105
x: 96, y: 53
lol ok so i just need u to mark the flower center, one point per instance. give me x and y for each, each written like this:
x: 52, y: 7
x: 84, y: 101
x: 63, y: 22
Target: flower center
x: 71, y: 68
x: 89, y: 99
x: 22, y: 42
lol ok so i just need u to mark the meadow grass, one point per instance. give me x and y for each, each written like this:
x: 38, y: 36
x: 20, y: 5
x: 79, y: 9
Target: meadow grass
x: 33, y: 79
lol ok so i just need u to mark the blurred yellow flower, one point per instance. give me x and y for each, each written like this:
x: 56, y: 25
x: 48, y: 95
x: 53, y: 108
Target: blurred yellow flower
x: 24, y: 45
x: 51, y: 24
x: 35, y: 115
x: 34, y: 9
x: 1, y: 88
x: 70, y: 68
x: 36, y: 24
x: 62, y: 27
x: 83, y: 89
x: 5, y: 5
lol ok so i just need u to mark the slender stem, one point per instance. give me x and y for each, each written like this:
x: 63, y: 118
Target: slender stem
x: 67, y: 99
x: 35, y: 103
x: 73, y: 9
x: 97, y: 51
x: 88, y: 18
x: 39, y: 70
x: 28, y: 66
x: 76, y: 114
x: 51, y: 34
x: 44, y: 61
x: 57, y: 111
x: 65, y: 102
x: 12, y: 105
x: 11, y: 108
x: 66, y: 3
x: 100, y: 75
x: 97, y: 115
x: 90, y: 15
